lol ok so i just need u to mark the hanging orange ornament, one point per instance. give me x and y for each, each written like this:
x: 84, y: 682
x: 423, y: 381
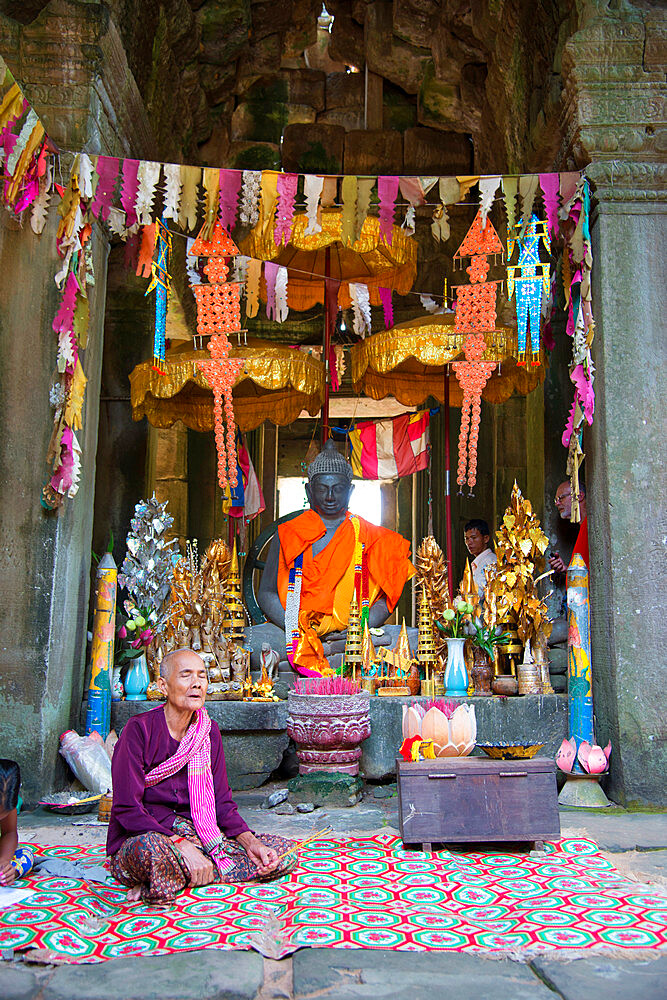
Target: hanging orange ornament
x: 218, y: 314
x: 475, y: 315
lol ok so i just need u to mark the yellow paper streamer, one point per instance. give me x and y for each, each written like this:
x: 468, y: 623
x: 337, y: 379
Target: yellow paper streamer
x: 11, y: 106
x: 33, y: 142
x: 212, y: 189
x: 465, y: 183
x: 74, y: 405
x: 349, y: 216
x: 269, y: 197
x: 252, y: 287
x: 187, y: 213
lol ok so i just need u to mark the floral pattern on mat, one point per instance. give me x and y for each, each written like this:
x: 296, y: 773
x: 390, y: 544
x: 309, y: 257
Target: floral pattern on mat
x: 369, y: 893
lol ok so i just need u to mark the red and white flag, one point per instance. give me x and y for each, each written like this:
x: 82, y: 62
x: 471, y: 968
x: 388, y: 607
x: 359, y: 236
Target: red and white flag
x: 391, y: 449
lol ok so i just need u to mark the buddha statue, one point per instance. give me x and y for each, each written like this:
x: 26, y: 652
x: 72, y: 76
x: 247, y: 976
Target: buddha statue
x: 309, y: 578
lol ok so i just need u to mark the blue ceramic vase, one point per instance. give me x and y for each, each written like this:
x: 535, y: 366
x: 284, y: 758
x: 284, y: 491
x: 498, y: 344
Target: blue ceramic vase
x: 137, y: 679
x: 456, y: 672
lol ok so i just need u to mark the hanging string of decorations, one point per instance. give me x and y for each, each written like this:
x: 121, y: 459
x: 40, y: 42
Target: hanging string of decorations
x: 122, y: 194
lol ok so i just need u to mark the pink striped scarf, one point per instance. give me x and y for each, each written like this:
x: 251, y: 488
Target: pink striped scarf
x: 195, y: 751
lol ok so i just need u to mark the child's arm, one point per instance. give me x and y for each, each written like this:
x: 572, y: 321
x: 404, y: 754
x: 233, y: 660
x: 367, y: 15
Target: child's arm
x: 9, y: 841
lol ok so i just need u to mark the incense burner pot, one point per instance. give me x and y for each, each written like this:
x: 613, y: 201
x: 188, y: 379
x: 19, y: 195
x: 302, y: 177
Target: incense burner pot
x: 328, y: 730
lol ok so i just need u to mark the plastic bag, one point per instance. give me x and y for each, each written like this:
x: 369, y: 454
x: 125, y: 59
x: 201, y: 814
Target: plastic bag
x: 89, y: 761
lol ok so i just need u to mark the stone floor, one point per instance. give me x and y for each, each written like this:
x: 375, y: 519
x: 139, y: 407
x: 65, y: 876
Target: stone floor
x: 636, y: 843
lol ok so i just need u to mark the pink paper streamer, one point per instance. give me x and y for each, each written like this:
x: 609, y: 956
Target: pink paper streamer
x: 284, y: 224
x: 270, y: 275
x: 387, y: 307
x: 387, y: 193
x: 30, y: 186
x: 128, y: 191
x: 230, y: 186
x: 584, y: 392
x: 569, y: 426
x: 107, y: 172
x: 64, y: 318
x: 550, y: 185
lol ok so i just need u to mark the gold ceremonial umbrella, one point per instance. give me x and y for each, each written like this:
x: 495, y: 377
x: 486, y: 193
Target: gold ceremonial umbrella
x: 276, y: 385
x: 369, y: 260
x: 408, y: 363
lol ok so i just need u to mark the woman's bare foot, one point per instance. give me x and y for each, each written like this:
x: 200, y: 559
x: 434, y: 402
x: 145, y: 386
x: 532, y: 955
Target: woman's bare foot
x: 134, y: 894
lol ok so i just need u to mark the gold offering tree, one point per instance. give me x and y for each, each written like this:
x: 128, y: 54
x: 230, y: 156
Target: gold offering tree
x: 432, y: 579
x: 511, y: 593
x: 204, y: 612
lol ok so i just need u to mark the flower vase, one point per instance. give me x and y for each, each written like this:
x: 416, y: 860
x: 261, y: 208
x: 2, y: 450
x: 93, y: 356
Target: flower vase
x: 137, y: 679
x: 116, y: 685
x: 456, y: 674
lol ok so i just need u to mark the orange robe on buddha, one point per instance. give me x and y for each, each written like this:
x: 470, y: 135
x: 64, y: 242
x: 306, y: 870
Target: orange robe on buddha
x: 328, y: 578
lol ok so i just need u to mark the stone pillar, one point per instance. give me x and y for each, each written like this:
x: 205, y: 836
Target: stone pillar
x: 71, y: 64
x: 615, y: 90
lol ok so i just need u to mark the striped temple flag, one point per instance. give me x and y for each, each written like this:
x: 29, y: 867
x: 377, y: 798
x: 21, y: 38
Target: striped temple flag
x: 391, y: 449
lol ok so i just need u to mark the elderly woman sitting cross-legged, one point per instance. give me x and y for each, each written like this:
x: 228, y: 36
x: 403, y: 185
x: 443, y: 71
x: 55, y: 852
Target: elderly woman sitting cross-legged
x: 173, y: 821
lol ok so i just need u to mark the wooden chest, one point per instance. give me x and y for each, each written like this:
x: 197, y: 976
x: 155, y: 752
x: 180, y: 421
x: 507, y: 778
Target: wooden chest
x: 458, y: 799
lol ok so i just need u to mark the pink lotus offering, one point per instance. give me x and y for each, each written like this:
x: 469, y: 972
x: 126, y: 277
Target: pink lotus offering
x: 593, y: 759
x: 452, y: 728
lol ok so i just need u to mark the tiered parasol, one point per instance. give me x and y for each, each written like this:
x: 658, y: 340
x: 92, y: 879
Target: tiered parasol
x: 277, y: 383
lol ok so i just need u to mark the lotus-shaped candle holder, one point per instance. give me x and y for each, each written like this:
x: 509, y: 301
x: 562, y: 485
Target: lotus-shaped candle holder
x: 592, y: 758
x: 452, y: 728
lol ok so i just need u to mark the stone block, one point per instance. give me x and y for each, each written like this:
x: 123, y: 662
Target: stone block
x: 399, y: 110
x: 344, y: 90
x: 171, y: 452
x: 347, y: 118
x: 224, y: 30
x: 414, y: 20
x: 218, y: 82
x: 373, y: 152
x: 603, y: 979
x: 216, y: 975
x: 262, y: 59
x: 655, y: 49
x: 346, y: 44
x: 388, y: 55
x: 253, y: 156
x: 426, y: 151
x: 269, y: 17
x: 264, y: 121
x: 252, y: 757
x: 367, y: 974
x: 313, y: 148
x: 333, y: 789
x: 300, y: 35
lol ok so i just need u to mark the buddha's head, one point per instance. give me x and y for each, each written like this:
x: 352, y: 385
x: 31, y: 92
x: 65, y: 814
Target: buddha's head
x: 329, y: 483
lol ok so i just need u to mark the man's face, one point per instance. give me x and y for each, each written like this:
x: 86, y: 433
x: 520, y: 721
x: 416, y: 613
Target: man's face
x: 563, y: 500
x: 475, y: 541
x: 186, y: 684
x: 329, y: 494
